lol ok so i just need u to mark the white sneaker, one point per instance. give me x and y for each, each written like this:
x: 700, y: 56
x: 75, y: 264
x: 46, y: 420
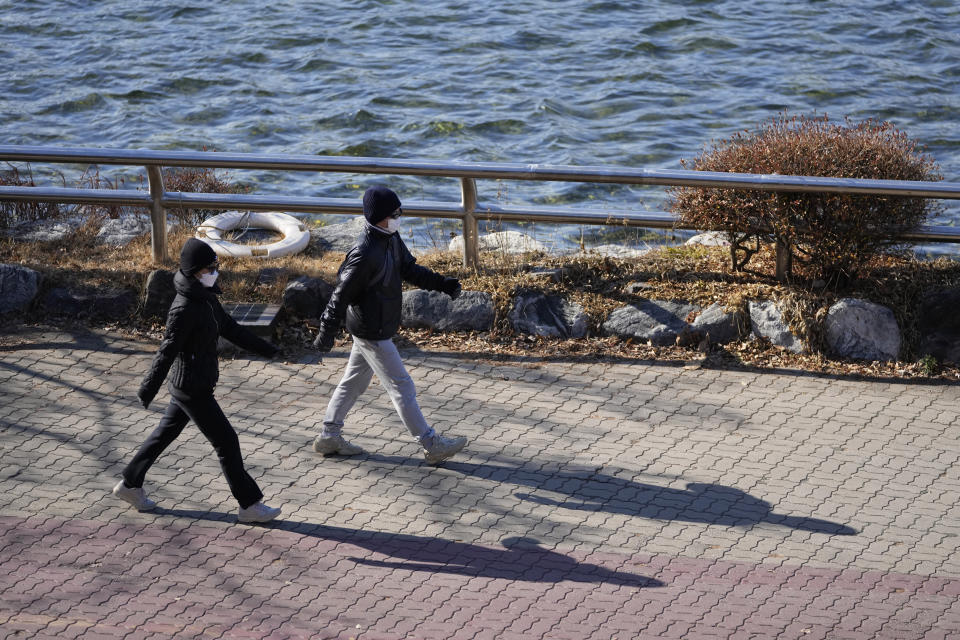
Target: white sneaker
x: 257, y: 512
x: 335, y: 446
x: 136, y: 496
x: 443, y: 449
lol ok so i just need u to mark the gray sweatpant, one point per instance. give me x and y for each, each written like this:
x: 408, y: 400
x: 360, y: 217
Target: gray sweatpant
x: 381, y: 357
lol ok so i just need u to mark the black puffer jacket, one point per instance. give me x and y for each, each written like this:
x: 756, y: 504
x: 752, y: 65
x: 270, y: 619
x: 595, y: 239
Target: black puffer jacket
x: 369, y: 288
x: 194, y: 322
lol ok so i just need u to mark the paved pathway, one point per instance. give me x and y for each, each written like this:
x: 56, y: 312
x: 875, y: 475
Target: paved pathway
x: 626, y: 500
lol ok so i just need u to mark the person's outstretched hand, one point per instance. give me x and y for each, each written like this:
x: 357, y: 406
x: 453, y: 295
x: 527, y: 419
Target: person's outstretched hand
x: 451, y: 287
x: 323, y: 343
x: 146, y: 395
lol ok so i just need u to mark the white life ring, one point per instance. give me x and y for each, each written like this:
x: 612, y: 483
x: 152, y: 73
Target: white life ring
x: 296, y: 236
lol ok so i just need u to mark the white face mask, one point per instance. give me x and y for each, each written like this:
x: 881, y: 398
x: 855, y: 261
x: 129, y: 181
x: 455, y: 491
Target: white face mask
x: 209, y: 279
x: 393, y: 224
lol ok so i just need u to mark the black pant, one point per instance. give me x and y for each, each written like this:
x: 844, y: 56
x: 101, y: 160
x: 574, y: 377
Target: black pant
x: 207, y: 415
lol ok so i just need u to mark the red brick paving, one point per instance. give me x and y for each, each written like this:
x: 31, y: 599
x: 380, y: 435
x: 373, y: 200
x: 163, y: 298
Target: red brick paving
x: 605, y: 501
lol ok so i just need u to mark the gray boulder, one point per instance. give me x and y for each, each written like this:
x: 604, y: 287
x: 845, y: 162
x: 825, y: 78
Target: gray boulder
x: 306, y: 297
x: 709, y: 239
x: 547, y: 274
x: 106, y: 303
x: 159, y: 293
x: 471, y: 311
x: 44, y: 230
x: 534, y: 313
x: 939, y: 325
x: 660, y: 322
x: 616, y: 251
x: 506, y: 242
x: 337, y: 237
x: 719, y: 325
x: 18, y: 287
x: 862, y: 330
x: 120, y: 231
x: 766, y: 321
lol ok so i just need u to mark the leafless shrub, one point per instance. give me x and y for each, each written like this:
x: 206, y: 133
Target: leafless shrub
x: 198, y: 180
x: 834, y: 234
x: 11, y: 212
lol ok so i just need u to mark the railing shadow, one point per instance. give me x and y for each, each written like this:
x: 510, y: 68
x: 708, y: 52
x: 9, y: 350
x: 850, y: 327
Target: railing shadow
x: 521, y: 559
x: 719, y: 362
x: 103, y: 403
x: 82, y: 339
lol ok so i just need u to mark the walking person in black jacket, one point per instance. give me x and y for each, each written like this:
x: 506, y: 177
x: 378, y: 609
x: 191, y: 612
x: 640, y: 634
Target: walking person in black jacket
x: 194, y: 323
x: 368, y: 297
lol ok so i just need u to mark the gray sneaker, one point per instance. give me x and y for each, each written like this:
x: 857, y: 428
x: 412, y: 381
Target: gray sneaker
x: 335, y: 446
x: 443, y: 449
x: 135, y: 496
x: 257, y: 512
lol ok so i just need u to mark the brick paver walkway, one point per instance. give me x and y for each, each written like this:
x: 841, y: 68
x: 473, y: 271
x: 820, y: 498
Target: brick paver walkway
x: 626, y: 500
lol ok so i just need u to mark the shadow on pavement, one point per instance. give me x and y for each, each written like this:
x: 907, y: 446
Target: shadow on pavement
x: 521, y: 559
x: 699, y: 502
x: 720, y: 360
x: 81, y: 339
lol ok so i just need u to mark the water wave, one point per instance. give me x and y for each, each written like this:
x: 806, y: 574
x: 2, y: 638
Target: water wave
x: 86, y: 103
x: 602, y: 82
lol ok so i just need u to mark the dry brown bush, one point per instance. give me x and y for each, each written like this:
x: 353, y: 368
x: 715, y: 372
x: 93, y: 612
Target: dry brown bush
x: 199, y: 180
x: 13, y: 212
x: 835, y: 234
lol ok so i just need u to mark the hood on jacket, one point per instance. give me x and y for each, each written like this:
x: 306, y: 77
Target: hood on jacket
x: 196, y: 255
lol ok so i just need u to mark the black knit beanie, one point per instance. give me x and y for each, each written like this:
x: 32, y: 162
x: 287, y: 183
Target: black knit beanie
x: 196, y: 255
x: 379, y: 203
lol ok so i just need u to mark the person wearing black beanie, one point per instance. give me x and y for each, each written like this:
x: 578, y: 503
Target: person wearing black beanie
x: 379, y: 203
x: 367, y: 299
x: 194, y: 323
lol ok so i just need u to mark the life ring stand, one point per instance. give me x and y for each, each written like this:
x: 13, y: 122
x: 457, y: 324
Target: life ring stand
x: 295, y: 239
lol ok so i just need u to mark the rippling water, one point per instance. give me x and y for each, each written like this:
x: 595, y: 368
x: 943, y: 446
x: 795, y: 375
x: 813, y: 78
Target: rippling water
x: 550, y: 81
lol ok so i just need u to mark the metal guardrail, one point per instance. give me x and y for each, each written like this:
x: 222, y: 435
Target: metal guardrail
x: 469, y: 210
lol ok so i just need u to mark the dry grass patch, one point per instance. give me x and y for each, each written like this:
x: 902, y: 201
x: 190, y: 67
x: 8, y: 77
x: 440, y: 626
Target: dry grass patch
x: 700, y: 275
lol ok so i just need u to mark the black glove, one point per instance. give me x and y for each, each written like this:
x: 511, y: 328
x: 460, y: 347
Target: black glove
x: 146, y: 395
x: 451, y: 287
x: 323, y: 343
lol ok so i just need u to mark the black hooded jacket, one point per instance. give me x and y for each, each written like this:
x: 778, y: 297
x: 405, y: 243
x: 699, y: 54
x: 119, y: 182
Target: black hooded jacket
x: 369, y: 290
x: 194, y: 322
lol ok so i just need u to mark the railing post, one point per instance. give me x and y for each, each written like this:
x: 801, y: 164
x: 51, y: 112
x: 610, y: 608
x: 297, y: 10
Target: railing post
x: 471, y: 254
x: 158, y: 218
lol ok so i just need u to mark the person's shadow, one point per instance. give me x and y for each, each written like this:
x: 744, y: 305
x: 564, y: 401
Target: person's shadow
x: 521, y: 559
x: 595, y: 491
